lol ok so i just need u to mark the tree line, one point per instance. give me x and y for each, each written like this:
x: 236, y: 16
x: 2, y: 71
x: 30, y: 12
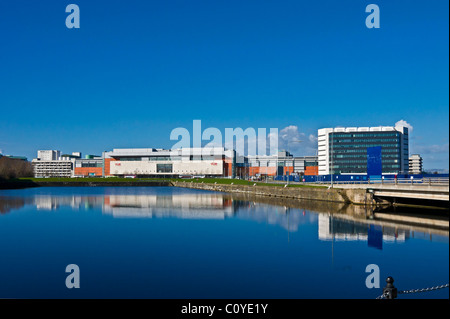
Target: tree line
x: 14, y: 168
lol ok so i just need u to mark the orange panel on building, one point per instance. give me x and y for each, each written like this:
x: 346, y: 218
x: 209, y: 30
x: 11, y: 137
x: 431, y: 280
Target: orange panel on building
x: 88, y: 171
x: 254, y: 170
x: 312, y: 170
x: 107, y: 166
x: 262, y: 170
x: 227, y: 167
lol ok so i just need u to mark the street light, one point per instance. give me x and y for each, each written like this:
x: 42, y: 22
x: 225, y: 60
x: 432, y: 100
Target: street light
x: 332, y: 161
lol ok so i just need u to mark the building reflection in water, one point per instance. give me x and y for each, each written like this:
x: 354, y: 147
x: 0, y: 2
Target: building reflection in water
x: 343, y: 224
x: 185, y: 206
x: 8, y: 204
x: 332, y: 228
x: 76, y: 202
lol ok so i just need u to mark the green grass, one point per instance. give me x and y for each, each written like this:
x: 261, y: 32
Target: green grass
x: 222, y: 181
x: 228, y: 181
x: 89, y: 179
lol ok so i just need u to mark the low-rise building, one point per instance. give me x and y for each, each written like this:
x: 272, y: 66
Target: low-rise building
x: 415, y: 164
x: 89, y: 166
x: 58, y: 168
x: 151, y: 162
x: 306, y: 165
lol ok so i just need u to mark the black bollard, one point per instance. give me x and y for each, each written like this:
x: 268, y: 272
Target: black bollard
x: 390, y: 292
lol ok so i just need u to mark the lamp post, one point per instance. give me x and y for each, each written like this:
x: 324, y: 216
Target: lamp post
x: 332, y: 168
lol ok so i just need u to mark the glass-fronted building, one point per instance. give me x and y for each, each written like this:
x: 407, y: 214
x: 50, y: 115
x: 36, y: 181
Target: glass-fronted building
x: 345, y: 150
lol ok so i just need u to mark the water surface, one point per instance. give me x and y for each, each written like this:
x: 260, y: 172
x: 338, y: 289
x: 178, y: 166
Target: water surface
x: 168, y: 242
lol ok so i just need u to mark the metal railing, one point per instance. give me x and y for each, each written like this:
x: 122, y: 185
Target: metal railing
x: 391, y: 292
x: 437, y: 181
x: 402, y: 181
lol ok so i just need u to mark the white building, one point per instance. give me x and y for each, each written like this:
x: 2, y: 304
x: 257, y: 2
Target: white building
x: 42, y: 168
x: 49, y: 163
x: 415, y: 164
x: 159, y: 162
x: 49, y: 155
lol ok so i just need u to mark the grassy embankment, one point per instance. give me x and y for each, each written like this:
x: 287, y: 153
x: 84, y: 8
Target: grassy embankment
x: 136, y: 181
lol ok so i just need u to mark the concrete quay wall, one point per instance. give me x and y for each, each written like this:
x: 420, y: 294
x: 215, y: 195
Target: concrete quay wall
x: 348, y: 196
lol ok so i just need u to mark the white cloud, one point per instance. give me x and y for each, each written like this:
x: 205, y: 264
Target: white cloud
x: 406, y: 124
x: 298, y: 143
x: 288, y: 138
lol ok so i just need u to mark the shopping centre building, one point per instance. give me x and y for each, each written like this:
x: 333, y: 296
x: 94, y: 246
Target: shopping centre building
x: 151, y: 162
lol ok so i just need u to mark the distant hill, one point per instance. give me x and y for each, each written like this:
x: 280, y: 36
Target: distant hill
x: 436, y: 170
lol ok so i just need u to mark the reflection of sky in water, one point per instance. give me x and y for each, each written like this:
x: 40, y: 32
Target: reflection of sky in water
x: 226, y: 228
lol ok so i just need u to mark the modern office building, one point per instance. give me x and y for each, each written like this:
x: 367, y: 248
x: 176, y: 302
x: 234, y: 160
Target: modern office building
x: 346, y: 150
x: 415, y: 164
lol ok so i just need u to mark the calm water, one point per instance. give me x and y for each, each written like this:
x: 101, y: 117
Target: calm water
x: 167, y: 242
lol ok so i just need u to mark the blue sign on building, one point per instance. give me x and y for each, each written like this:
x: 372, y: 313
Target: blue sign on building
x: 374, y: 165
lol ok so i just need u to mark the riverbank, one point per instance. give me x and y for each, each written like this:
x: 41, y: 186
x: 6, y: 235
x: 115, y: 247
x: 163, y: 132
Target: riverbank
x: 117, y: 181
x: 295, y: 191
x: 17, y: 184
x: 79, y: 182
x: 316, y: 193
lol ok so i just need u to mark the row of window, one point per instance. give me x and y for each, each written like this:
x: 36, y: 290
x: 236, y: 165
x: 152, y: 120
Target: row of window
x: 352, y: 167
x: 361, y: 161
x: 364, y: 140
x: 91, y: 164
x: 363, y: 151
x: 377, y: 134
x: 363, y: 155
x: 338, y: 146
x: 169, y: 158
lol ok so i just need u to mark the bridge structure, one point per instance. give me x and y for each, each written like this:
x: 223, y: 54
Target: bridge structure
x: 420, y: 193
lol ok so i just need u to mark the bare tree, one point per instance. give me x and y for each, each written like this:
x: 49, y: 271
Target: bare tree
x: 14, y: 168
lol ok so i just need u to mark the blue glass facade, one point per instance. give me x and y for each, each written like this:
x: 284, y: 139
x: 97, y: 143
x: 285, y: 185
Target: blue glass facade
x: 348, y: 151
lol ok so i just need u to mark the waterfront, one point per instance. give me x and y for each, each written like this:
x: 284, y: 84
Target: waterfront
x: 169, y: 242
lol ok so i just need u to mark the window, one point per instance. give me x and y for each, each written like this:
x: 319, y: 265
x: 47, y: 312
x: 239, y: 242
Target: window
x: 164, y: 168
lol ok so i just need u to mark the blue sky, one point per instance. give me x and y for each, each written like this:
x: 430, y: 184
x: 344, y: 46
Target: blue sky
x: 135, y: 70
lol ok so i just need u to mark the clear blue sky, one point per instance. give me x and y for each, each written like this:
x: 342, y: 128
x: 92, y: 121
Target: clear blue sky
x: 135, y: 70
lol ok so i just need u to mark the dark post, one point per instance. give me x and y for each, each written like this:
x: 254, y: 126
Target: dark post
x: 390, y: 292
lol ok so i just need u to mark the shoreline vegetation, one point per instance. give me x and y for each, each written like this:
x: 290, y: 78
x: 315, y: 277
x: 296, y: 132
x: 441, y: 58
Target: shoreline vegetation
x: 120, y: 181
x: 13, y: 168
x: 280, y: 190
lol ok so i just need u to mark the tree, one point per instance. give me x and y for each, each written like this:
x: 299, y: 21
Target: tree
x: 14, y: 168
